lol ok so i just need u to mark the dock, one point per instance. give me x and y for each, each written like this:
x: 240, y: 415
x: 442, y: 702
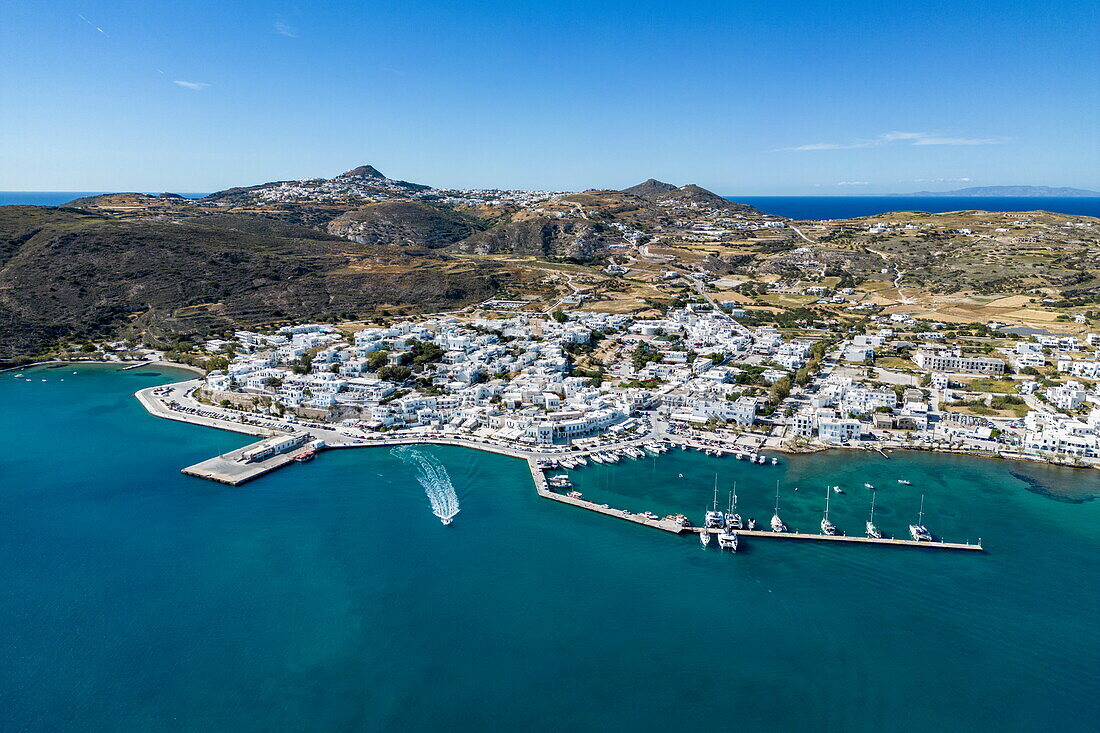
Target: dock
x: 935, y: 544
x: 544, y: 491
x: 244, y: 464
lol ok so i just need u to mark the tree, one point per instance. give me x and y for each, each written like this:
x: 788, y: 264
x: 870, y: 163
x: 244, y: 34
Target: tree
x: 378, y: 359
x: 781, y: 389
x: 559, y: 316
x: 394, y: 373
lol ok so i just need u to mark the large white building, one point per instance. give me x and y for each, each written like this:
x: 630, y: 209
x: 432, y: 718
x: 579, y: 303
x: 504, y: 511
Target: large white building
x: 953, y: 361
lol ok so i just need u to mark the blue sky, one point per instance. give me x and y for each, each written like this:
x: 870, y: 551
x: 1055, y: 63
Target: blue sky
x: 743, y: 98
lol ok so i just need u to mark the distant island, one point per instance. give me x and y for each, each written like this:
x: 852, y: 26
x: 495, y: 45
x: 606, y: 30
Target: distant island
x: 1009, y: 191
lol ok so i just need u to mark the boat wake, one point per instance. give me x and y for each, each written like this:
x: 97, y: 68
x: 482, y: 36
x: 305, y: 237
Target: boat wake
x: 433, y: 477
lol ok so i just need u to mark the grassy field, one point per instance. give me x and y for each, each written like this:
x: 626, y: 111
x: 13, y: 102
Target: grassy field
x: 996, y: 386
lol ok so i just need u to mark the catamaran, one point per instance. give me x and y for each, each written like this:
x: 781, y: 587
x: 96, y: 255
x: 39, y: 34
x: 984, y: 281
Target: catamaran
x: 727, y: 540
x: 777, y: 523
x: 827, y: 527
x: 918, y: 531
x: 872, y: 530
x: 733, y: 519
x: 714, y: 518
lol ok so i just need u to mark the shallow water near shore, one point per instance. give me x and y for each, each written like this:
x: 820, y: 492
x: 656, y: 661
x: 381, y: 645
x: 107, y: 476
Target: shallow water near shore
x: 329, y: 596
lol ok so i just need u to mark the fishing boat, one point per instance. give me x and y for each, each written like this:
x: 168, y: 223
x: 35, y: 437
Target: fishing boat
x: 827, y: 527
x: 872, y: 530
x: 704, y: 537
x: 918, y: 531
x: 733, y: 519
x: 777, y: 523
x: 715, y: 519
x: 305, y: 456
x: 727, y: 540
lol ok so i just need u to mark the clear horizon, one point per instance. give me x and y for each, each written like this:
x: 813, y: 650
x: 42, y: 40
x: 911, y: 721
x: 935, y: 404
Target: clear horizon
x: 813, y: 98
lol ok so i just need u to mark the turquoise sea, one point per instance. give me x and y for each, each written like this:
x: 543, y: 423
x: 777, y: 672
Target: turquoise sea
x: 327, y: 596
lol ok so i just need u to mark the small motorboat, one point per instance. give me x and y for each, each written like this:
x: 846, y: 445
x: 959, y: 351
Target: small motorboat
x: 838, y: 490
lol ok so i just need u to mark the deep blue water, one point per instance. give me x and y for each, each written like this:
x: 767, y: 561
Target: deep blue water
x: 843, y: 207
x: 326, y: 596
x: 56, y: 198
x: 795, y: 207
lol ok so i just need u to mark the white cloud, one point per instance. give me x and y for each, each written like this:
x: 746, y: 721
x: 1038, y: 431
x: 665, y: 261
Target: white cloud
x: 853, y: 183
x: 195, y: 86
x: 285, y: 29
x: 957, y: 141
x: 964, y: 179
x: 93, y: 25
x: 897, y: 136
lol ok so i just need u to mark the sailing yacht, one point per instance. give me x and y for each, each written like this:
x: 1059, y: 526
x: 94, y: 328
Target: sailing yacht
x: 872, y: 530
x: 777, y: 523
x: 733, y: 519
x: 827, y: 527
x: 918, y: 531
x: 715, y: 519
x: 704, y: 537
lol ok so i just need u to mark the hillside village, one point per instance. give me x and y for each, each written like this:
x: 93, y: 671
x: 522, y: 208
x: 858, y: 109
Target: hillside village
x: 549, y: 380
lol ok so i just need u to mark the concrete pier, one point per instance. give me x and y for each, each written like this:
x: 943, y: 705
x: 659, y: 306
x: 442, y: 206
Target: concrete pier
x: 235, y: 468
x: 544, y: 491
x: 847, y: 538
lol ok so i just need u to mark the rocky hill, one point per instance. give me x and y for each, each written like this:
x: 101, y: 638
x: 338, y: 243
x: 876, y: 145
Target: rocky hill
x: 72, y: 274
x: 404, y: 224
x: 689, y: 195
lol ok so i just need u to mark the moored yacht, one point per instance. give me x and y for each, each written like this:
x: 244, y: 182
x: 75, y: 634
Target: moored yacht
x: 827, y: 527
x: 918, y: 531
x: 733, y: 519
x: 727, y: 540
x: 777, y: 523
x: 872, y: 530
x: 704, y: 537
x: 715, y: 519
